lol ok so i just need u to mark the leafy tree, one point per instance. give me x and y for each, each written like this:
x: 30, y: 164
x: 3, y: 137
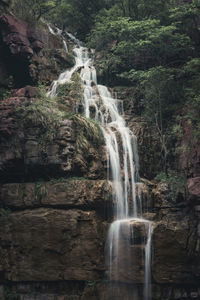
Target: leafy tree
x: 77, y: 15
x: 33, y: 10
x: 186, y: 19
x: 160, y: 96
x: 139, y: 44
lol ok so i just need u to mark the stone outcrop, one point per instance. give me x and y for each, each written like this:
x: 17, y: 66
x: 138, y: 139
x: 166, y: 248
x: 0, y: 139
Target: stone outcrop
x: 25, y: 152
x: 68, y: 193
x: 28, y: 54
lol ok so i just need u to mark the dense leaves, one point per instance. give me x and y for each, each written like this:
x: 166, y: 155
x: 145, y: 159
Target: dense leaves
x: 154, y: 46
x: 33, y: 10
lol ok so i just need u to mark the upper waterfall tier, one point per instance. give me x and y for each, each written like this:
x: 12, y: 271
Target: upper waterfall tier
x: 122, y: 156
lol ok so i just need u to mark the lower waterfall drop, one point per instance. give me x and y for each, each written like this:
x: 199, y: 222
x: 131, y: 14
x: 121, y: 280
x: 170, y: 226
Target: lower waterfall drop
x: 121, y: 145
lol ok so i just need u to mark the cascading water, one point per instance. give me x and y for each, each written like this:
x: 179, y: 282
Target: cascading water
x: 121, y: 145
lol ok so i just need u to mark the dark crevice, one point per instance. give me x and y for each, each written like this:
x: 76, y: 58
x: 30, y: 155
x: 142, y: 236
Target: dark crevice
x: 17, y: 67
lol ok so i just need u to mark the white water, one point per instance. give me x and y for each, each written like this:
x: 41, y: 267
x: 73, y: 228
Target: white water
x: 121, y: 145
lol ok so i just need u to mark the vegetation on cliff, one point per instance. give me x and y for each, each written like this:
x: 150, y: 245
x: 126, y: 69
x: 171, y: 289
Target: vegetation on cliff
x: 149, y: 46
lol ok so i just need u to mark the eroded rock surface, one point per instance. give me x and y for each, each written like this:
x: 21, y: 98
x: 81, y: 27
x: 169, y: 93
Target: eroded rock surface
x: 27, y: 153
x: 52, y: 244
x: 29, y: 54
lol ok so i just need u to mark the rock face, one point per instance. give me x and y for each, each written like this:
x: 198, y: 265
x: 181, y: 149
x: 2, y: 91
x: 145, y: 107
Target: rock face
x: 71, y: 193
x: 29, y: 55
x: 24, y: 153
x: 52, y: 244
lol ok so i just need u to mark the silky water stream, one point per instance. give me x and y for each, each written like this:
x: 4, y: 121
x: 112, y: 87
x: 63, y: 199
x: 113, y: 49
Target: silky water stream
x: 123, y: 162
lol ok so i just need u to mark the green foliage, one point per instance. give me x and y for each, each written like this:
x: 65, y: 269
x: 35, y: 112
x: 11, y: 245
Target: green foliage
x: 65, y: 180
x: 173, y: 178
x: 5, y: 92
x: 43, y: 113
x: 156, y: 50
x: 152, y: 45
x: 41, y: 190
x: 78, y: 178
x: 88, y: 133
x: 77, y: 15
x: 59, y: 180
x: 72, y: 90
x: 159, y: 89
x: 186, y: 18
x: 5, y: 212
x: 91, y: 283
x: 191, y: 116
x: 33, y: 10
x: 139, y: 44
x: 11, y: 295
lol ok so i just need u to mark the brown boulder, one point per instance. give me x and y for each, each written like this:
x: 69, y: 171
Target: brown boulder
x: 27, y: 91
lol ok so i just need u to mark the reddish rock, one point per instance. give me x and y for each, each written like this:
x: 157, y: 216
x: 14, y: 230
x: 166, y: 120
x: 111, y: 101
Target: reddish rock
x: 8, y: 125
x: 14, y: 33
x: 27, y: 91
x: 30, y: 54
x: 194, y: 188
x: 37, y: 45
x: 189, y: 159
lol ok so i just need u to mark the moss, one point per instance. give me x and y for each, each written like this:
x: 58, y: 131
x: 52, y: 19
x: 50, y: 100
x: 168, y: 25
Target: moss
x: 41, y: 190
x: 5, y: 92
x: 43, y: 113
x: 5, y: 212
x: 72, y: 90
x: 176, y: 180
x: 88, y: 133
x: 78, y: 178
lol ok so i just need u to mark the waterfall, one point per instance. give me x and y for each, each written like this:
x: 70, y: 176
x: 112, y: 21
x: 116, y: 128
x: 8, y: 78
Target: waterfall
x: 123, y: 161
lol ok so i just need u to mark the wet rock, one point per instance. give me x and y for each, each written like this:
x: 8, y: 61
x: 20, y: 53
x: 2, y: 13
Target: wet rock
x: 128, y: 261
